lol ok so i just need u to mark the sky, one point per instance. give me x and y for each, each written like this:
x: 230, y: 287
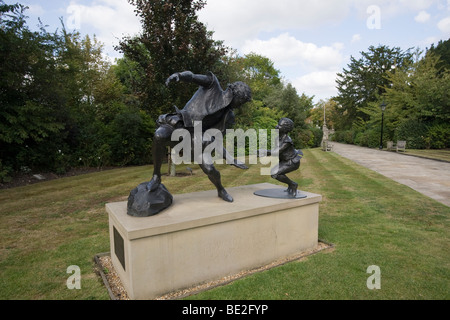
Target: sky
x: 308, y: 41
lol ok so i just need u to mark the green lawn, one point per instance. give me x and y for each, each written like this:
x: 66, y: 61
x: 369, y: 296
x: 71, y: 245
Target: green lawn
x: 371, y: 220
x: 442, y: 154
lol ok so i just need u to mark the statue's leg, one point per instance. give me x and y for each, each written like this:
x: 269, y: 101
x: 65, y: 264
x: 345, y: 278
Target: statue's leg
x: 280, y: 175
x: 214, y: 176
x: 161, y: 140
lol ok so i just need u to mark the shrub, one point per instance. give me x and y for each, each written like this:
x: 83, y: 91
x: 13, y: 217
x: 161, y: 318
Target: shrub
x: 371, y: 138
x: 303, y: 139
x: 317, y: 137
x: 347, y: 136
x: 413, y: 132
x: 438, y: 136
x: 5, y: 172
x: 131, y: 138
x: 361, y: 139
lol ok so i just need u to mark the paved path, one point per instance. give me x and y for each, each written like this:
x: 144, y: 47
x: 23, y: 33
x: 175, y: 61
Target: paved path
x: 429, y: 177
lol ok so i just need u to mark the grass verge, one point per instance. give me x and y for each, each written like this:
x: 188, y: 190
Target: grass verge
x: 47, y: 227
x: 441, y: 155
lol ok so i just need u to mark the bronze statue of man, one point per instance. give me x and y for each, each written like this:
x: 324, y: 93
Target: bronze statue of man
x: 213, y: 107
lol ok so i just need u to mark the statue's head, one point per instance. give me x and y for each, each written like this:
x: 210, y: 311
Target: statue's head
x: 285, y: 125
x: 241, y: 93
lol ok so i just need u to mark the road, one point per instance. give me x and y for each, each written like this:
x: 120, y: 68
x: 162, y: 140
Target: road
x: 429, y: 177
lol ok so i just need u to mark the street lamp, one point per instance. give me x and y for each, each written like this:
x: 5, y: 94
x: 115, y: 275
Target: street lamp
x: 383, y: 108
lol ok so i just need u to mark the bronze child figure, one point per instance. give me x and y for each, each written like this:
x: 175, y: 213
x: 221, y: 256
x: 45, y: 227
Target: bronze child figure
x: 289, y: 157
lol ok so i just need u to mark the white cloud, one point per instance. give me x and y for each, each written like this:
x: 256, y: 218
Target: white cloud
x: 35, y: 10
x: 109, y: 20
x: 321, y: 84
x: 318, y: 64
x: 444, y: 26
x: 267, y: 27
x: 356, y: 38
x: 246, y: 25
x: 286, y: 50
x: 422, y: 17
x: 430, y: 40
x: 238, y: 20
x: 418, y: 4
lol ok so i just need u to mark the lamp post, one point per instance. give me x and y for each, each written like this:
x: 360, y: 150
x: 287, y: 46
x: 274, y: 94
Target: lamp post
x: 383, y: 108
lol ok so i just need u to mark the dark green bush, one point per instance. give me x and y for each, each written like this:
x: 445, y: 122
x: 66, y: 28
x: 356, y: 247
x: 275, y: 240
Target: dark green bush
x: 371, y: 138
x: 5, y: 172
x: 413, y: 132
x: 317, y: 137
x: 311, y: 137
x: 131, y: 140
x: 438, y: 136
x: 303, y: 138
x: 347, y: 136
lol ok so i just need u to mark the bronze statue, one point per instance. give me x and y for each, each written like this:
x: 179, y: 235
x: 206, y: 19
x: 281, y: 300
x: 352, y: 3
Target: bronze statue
x: 210, y: 105
x: 289, y: 157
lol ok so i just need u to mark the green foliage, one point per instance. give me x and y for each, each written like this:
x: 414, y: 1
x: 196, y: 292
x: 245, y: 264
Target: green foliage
x: 260, y: 74
x: 172, y: 40
x: 28, y: 92
x: 266, y: 118
x: 438, y: 136
x: 5, y: 173
x: 347, y: 136
x: 32, y: 111
x: 417, y: 94
x: 329, y: 108
x: 370, y: 138
x: 365, y: 80
x: 286, y: 99
x: 311, y: 137
x: 420, y: 91
x: 413, y: 132
x: 442, y: 49
x: 273, y: 100
x: 131, y: 142
x: 63, y: 104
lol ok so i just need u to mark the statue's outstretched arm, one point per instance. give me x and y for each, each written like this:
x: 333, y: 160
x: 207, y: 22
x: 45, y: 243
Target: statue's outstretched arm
x: 188, y: 76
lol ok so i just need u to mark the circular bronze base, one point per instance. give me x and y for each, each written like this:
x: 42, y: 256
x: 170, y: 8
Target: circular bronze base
x: 279, y: 194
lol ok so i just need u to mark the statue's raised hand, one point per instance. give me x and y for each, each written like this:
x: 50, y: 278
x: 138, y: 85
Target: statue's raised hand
x: 175, y: 77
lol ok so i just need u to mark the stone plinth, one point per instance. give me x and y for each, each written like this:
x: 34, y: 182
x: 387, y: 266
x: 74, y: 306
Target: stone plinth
x: 201, y: 238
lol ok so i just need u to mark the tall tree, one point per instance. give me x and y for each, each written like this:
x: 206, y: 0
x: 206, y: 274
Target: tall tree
x: 296, y: 107
x: 29, y: 92
x: 364, y: 81
x: 442, y: 49
x: 172, y: 40
x: 260, y: 74
x: 263, y: 79
x: 420, y: 92
x: 324, y: 110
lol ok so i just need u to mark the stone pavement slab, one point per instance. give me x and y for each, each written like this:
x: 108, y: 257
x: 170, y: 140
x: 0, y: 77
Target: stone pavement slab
x: 429, y: 177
